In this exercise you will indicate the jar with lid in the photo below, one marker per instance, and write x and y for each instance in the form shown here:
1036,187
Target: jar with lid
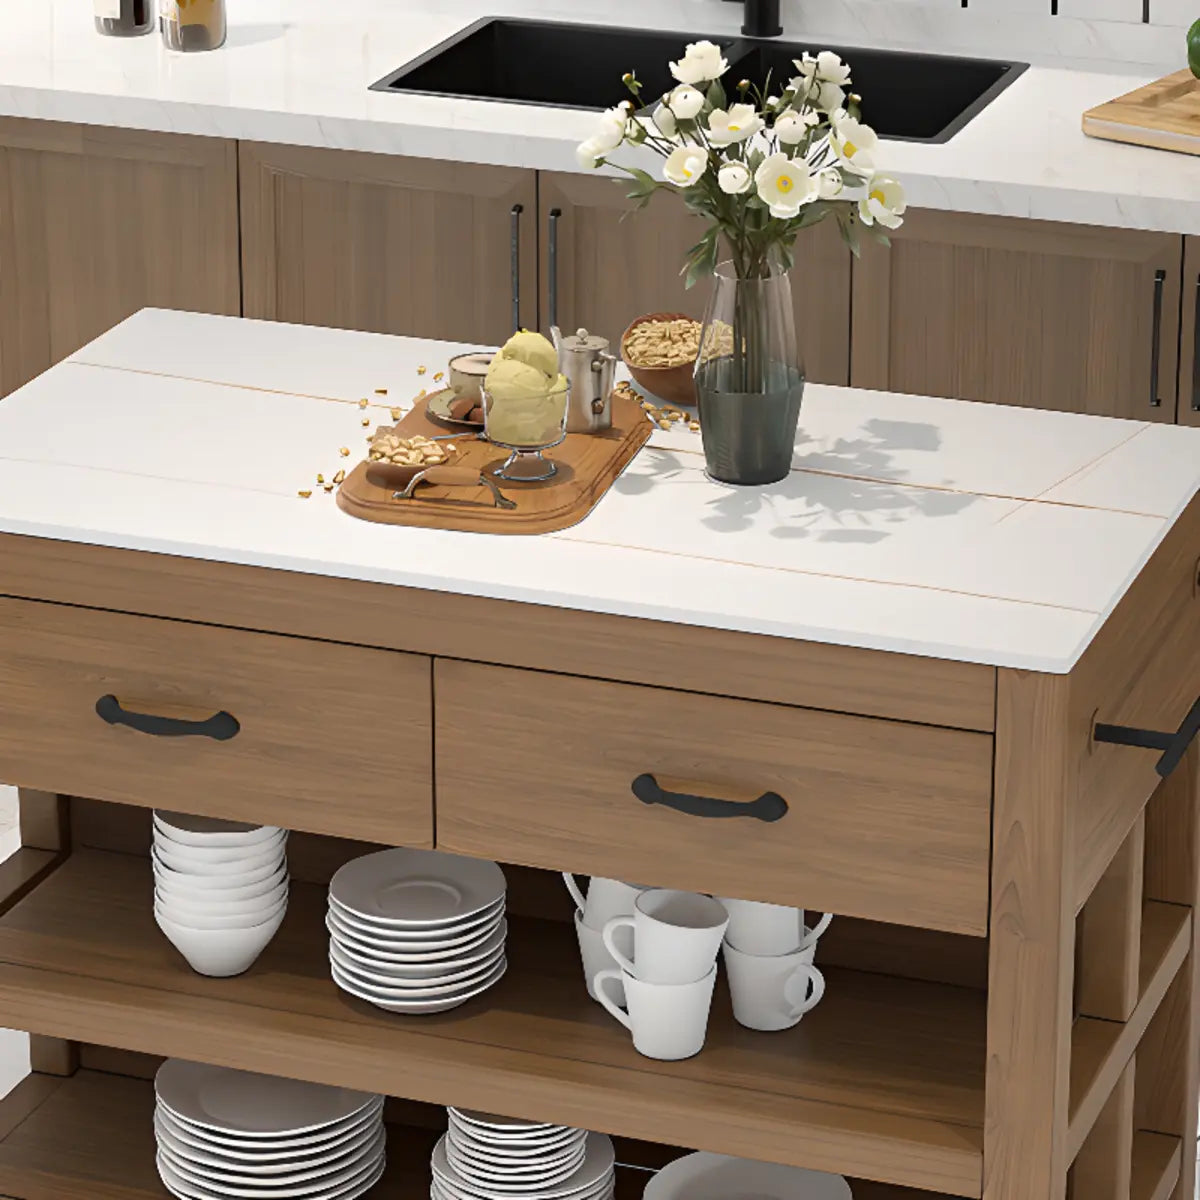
192,24
123,18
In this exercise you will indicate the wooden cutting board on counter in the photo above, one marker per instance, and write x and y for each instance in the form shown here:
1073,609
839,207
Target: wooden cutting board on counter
587,466
1164,114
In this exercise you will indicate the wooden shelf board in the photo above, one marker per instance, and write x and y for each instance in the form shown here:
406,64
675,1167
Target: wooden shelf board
1157,1161
884,1081
1100,1050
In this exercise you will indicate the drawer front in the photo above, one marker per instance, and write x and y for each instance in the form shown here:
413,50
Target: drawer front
884,819
331,739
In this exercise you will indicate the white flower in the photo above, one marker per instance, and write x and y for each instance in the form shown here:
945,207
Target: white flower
734,179
589,154
735,124
610,128
685,165
685,102
786,184
702,62
829,183
821,80
664,120
854,144
884,203
792,128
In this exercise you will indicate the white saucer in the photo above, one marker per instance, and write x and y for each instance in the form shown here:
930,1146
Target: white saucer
506,1178
511,1149
391,1004
411,966
349,1189
417,889
429,951
704,1176
598,1162
417,937
260,1149
370,977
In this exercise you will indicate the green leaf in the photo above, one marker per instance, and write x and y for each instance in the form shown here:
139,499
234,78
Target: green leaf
716,94
1193,46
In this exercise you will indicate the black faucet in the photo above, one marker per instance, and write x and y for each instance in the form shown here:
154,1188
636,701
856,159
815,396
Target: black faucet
762,19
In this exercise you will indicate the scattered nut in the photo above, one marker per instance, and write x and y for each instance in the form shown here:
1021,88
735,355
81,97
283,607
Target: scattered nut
320,477
439,377
304,493
366,421
664,424
694,426
363,403
341,475
381,391
344,451
420,370
328,488
395,414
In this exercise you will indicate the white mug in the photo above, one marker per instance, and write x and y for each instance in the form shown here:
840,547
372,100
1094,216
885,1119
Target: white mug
605,899
676,936
668,1020
772,991
759,928
595,956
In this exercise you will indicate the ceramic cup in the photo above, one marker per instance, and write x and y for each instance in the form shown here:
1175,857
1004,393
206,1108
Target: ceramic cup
758,928
772,991
605,899
676,936
668,1020
596,958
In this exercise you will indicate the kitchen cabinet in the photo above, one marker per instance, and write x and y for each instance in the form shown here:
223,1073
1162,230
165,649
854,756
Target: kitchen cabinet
1189,341
391,245
97,222
605,265
1031,313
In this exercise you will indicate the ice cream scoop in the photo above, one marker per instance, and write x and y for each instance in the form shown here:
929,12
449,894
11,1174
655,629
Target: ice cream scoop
508,379
533,350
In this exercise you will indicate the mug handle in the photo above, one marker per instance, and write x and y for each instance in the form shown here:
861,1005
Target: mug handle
810,975
573,888
601,995
810,938
610,941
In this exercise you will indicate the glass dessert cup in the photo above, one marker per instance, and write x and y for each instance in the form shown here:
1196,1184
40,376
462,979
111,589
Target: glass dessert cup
526,425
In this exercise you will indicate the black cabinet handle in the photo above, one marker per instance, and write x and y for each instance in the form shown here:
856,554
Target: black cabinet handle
1196,352
1160,280
770,806
552,267
220,726
1173,745
514,250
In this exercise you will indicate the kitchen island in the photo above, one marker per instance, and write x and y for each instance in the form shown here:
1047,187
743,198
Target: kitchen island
917,639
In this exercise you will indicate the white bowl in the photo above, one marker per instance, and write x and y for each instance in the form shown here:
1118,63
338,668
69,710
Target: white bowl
226,879
182,888
204,855
210,831
220,952
256,857
222,916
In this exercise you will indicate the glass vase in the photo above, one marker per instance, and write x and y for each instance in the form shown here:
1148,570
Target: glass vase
749,378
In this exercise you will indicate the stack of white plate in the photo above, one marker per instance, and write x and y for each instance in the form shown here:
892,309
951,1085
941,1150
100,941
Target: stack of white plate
704,1176
416,931
225,1133
485,1157
220,889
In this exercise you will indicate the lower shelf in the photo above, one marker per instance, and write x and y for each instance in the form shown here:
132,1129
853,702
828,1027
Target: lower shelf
1157,1161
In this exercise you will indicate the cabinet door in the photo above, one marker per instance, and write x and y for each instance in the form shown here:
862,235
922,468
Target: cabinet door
1189,361
611,267
1069,317
393,245
96,223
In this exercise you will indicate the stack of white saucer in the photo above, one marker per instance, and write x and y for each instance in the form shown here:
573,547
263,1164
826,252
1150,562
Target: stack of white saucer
417,931
223,1133
486,1157
220,889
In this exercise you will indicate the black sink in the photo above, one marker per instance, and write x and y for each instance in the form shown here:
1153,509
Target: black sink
907,97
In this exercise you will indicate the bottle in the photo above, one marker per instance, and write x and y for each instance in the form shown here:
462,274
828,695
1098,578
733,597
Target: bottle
192,24
124,18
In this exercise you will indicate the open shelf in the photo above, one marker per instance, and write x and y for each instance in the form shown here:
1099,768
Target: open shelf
883,1081
1157,1161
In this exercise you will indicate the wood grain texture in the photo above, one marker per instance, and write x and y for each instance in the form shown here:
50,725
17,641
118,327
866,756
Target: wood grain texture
885,1084
1103,1168
1109,933
1189,336
1031,942
614,267
1156,1166
1012,311
904,687
588,465
99,222
1164,114
383,243
307,755
886,820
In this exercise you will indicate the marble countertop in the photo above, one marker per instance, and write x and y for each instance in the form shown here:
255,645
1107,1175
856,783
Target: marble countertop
972,532
297,71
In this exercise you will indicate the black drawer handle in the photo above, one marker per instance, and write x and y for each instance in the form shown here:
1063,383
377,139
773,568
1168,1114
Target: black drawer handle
220,726
770,806
1173,745
1160,280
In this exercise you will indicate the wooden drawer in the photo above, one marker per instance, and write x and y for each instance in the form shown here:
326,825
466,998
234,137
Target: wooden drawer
885,820
333,739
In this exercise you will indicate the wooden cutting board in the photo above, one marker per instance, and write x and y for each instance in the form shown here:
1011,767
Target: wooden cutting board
1164,114
587,466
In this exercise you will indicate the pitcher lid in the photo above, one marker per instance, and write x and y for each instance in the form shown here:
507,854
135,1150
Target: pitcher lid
582,340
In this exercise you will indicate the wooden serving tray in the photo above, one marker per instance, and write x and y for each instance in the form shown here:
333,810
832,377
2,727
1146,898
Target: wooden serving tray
1164,114
588,463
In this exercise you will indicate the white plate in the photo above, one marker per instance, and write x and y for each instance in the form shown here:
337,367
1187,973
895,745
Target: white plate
486,1175
597,1163
414,889
502,1125
601,1190
255,1149
526,1157
249,1105
704,1176
367,975
348,1189
472,939
417,966
529,1146
392,935
442,1004
389,990
182,1144
191,830
515,1139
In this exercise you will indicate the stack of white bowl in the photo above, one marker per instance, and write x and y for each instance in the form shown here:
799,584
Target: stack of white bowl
220,889
417,931
223,1134
486,1157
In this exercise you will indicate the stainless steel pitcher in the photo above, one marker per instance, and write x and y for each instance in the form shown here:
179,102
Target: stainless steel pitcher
591,371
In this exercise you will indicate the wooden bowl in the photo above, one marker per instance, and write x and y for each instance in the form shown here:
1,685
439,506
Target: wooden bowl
675,385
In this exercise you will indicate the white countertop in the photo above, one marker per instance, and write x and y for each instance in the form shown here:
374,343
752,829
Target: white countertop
297,71
963,531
